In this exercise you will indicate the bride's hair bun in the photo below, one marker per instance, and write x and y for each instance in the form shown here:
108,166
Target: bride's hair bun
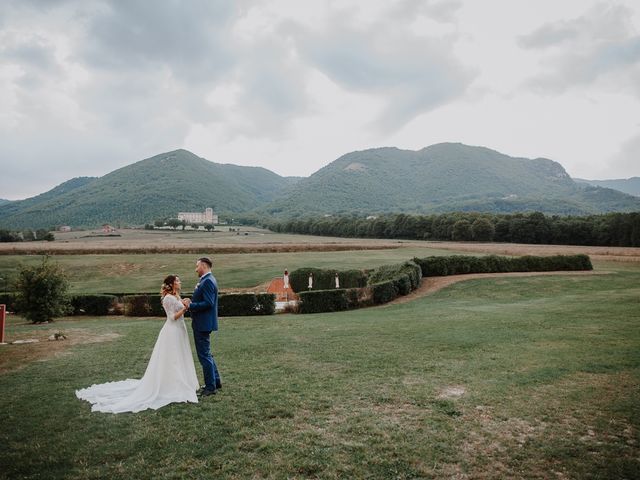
168,285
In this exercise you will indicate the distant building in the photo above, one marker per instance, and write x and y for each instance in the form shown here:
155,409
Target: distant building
65,228
199,217
106,228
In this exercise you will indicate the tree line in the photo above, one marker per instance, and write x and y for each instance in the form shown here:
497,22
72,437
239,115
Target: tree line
611,229
26,235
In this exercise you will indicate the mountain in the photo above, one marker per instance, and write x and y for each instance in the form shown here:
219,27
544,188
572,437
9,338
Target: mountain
444,177
160,186
441,178
630,186
4,201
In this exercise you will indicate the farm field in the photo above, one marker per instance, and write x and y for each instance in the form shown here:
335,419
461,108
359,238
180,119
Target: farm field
250,263
511,377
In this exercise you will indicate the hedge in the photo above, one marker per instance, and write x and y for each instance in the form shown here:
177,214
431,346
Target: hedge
461,264
92,304
335,300
392,272
384,292
245,304
326,279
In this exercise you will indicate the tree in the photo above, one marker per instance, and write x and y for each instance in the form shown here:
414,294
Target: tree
482,230
42,292
461,231
209,226
183,223
174,223
159,223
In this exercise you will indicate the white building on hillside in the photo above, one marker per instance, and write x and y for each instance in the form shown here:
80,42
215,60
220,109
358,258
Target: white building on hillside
199,217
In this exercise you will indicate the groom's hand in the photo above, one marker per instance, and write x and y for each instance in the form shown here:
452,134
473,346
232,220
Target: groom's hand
186,302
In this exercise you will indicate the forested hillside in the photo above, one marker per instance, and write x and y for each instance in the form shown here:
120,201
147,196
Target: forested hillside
442,178
159,186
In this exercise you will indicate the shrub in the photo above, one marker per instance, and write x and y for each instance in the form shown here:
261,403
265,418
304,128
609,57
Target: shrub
10,300
266,303
402,284
316,301
325,279
137,305
245,304
42,292
461,264
393,272
92,304
384,292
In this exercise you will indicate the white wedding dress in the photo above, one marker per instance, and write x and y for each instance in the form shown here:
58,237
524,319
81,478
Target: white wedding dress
170,375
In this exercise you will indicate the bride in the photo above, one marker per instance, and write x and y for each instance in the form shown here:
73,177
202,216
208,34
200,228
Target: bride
170,375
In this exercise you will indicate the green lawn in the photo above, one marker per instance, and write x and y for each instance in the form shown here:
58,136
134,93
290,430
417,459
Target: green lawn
128,273
495,378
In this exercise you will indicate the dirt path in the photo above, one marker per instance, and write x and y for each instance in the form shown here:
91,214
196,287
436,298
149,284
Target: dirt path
433,284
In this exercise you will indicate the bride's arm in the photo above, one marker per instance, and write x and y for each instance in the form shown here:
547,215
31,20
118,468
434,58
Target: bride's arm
168,306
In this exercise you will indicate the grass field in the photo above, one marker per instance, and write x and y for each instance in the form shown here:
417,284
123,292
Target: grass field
495,378
144,273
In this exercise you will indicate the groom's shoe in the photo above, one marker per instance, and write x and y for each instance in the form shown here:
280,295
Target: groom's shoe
206,392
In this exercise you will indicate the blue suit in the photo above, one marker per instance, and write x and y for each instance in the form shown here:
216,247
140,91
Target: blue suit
204,320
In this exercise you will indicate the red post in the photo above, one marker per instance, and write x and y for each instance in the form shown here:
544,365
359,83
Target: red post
3,314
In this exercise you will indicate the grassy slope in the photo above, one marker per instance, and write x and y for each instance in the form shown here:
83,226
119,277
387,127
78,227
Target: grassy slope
550,368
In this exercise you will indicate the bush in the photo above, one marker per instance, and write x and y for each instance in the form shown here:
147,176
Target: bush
42,292
461,264
316,301
266,303
245,304
137,306
10,300
402,284
394,272
325,279
384,292
92,304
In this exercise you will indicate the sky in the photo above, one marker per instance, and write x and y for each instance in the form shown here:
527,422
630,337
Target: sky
87,87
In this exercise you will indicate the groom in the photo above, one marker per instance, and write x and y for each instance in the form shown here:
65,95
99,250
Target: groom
204,319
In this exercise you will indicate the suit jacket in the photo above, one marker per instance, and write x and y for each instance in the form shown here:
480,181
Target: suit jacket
204,304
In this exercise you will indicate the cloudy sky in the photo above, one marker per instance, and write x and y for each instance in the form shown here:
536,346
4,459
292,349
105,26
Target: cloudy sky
90,86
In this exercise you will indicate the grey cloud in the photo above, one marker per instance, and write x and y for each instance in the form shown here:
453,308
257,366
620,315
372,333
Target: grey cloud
625,163
549,35
599,45
189,39
443,11
413,74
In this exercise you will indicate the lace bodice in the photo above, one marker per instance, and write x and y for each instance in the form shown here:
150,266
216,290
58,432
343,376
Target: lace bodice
171,306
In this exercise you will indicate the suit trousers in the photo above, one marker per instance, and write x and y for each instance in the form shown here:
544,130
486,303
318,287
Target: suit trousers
209,367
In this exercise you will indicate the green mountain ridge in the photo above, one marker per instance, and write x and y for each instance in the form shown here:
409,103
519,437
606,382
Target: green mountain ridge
440,178
630,186
160,186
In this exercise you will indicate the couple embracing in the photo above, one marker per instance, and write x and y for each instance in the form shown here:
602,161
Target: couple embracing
170,375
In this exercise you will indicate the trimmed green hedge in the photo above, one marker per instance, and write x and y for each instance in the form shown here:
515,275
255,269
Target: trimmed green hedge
137,305
92,304
325,279
245,304
384,292
335,300
395,271
461,264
